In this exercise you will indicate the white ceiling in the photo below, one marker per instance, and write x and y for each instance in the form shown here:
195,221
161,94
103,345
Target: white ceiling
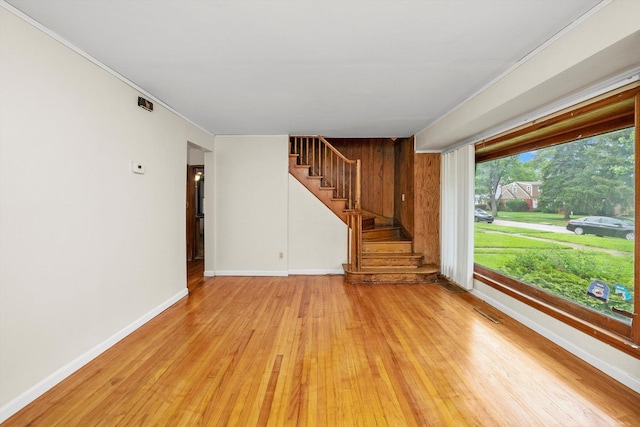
350,68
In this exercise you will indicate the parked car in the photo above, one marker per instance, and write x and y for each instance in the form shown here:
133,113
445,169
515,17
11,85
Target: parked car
603,226
483,216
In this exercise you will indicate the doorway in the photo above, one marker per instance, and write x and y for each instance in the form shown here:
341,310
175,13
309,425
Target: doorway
195,212
195,215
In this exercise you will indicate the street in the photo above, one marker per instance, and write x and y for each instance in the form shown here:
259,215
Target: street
530,226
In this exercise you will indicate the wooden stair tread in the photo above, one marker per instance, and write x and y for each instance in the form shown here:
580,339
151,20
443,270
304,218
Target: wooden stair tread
324,194
388,260
391,255
383,232
368,223
379,219
385,226
386,245
392,275
385,239
425,268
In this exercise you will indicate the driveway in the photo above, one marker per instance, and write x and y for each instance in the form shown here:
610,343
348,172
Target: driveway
530,226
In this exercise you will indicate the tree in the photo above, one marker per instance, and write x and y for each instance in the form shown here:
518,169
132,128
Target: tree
589,176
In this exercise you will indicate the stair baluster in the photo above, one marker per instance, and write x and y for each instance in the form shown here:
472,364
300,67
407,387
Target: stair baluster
337,172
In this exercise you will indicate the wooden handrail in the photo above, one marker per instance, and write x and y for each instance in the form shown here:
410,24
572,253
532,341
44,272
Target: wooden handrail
338,153
340,173
335,170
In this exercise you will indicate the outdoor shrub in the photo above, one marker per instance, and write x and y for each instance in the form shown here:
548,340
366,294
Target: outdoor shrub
517,205
567,273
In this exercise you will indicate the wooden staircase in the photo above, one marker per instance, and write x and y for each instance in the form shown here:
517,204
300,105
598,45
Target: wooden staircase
318,186
388,257
378,250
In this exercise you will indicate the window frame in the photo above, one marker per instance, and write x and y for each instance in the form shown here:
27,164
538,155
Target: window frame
609,112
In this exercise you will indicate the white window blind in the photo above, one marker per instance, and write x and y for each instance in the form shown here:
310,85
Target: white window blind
456,213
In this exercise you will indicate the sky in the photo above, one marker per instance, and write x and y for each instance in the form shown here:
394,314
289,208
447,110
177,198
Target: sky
525,157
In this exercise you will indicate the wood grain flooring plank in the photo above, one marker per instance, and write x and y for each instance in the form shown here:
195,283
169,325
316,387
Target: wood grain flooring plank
315,351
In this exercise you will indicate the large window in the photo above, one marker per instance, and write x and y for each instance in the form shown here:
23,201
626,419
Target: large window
555,216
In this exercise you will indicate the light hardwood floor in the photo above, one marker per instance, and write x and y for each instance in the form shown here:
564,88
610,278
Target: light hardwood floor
312,350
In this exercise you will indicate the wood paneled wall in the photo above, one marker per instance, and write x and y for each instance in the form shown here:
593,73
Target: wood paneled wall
403,179
376,155
417,176
426,220
391,169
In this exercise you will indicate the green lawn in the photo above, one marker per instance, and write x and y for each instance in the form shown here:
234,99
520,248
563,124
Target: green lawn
499,240
535,217
586,240
558,268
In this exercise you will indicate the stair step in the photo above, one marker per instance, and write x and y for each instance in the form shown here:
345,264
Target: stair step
385,232
391,260
368,223
374,275
379,219
387,246
324,194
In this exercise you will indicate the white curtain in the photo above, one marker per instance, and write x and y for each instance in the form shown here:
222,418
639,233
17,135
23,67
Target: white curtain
456,215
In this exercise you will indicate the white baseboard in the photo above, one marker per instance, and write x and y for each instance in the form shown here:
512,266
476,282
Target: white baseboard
613,371
209,273
317,272
256,273
46,384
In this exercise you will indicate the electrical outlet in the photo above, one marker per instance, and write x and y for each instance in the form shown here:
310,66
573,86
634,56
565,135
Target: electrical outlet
137,168
280,255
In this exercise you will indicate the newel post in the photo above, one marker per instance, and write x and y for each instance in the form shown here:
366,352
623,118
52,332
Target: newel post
358,184
357,220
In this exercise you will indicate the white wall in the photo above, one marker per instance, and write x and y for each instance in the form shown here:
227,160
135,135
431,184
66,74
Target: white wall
209,214
195,156
88,250
250,213
260,211
317,237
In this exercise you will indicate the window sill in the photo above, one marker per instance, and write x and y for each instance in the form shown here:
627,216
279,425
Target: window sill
619,342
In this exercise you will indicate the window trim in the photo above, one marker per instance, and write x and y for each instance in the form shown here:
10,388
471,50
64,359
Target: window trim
609,112
606,113
497,281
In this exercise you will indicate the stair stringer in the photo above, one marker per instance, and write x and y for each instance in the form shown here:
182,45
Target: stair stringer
313,184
